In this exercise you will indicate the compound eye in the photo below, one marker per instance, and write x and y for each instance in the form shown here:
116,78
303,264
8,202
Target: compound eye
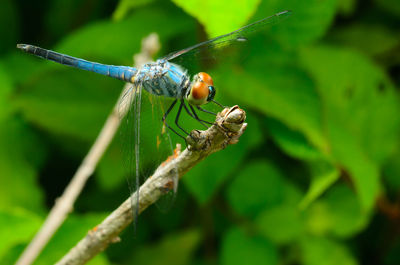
200,91
206,78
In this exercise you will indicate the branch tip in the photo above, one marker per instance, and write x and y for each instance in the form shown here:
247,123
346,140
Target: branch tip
230,125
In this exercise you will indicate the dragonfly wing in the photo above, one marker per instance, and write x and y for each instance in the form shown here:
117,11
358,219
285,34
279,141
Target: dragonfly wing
164,148
146,143
129,108
237,36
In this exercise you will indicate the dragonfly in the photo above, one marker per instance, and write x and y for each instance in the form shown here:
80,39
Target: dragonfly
165,78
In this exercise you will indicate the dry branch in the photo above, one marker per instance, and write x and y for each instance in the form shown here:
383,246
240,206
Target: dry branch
227,129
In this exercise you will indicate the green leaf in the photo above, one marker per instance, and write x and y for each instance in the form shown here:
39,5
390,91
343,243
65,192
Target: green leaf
339,213
219,167
176,249
219,17
323,176
282,224
347,7
241,248
6,88
20,156
292,142
257,186
16,226
371,39
359,102
68,102
291,194
124,6
314,250
110,171
18,74
309,21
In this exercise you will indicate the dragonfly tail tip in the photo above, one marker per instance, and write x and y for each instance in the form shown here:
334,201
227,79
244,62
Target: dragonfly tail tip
21,46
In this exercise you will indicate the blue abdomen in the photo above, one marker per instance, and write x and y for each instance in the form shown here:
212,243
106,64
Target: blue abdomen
123,73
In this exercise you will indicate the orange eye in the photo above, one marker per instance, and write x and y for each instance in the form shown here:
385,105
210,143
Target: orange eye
199,90
206,78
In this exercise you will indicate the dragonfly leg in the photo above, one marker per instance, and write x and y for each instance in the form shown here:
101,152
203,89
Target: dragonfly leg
164,119
206,111
197,117
193,115
219,104
177,118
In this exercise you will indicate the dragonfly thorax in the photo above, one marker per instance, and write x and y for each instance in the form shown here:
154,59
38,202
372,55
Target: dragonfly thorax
163,78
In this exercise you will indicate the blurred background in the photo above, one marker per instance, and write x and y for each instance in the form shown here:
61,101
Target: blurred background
315,179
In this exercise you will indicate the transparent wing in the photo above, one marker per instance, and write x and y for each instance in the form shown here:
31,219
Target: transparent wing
145,141
164,148
234,37
129,108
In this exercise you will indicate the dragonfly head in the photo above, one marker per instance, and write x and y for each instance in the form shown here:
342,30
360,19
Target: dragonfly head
201,90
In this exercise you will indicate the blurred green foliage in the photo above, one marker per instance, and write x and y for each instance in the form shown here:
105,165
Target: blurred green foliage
315,179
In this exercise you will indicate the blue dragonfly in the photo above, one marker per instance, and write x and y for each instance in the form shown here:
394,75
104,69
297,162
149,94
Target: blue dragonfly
164,78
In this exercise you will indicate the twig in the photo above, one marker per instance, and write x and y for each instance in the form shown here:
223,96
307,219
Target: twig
228,128
64,204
